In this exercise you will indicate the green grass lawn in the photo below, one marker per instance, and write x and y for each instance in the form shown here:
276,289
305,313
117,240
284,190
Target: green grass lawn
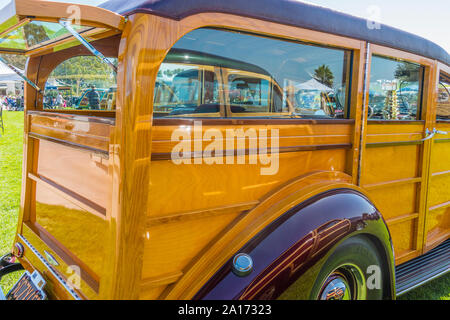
10,183
10,176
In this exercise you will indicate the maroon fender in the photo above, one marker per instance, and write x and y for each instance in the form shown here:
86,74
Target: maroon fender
300,240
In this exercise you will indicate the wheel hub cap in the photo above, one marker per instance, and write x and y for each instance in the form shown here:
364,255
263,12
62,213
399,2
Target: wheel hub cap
335,288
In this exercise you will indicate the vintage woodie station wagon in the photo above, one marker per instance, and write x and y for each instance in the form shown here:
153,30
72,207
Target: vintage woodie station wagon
311,161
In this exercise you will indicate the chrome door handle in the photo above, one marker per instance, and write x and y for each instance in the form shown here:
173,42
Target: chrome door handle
430,134
439,132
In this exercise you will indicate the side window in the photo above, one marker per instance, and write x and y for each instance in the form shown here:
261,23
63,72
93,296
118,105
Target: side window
395,90
443,103
183,89
248,92
81,83
217,73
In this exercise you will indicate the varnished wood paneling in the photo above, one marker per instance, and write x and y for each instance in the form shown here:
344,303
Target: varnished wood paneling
78,230
81,172
396,200
78,131
53,11
53,287
168,228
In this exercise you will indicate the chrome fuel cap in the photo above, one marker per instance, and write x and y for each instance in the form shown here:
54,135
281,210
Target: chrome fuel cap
242,264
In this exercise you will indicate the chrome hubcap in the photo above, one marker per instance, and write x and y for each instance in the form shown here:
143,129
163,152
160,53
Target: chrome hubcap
336,288
345,283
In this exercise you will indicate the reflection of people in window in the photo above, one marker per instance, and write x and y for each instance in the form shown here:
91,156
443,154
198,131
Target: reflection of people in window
94,98
59,100
242,94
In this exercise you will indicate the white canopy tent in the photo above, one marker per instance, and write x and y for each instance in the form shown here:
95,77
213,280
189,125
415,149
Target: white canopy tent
312,84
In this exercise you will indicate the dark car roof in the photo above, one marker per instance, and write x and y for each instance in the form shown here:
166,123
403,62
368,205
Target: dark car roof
177,55
289,12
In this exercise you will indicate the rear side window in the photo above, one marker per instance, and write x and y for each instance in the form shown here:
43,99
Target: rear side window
81,83
395,91
443,103
225,74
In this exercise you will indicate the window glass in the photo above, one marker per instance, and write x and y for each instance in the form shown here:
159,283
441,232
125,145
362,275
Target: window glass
38,33
185,89
247,92
216,73
395,89
81,83
443,104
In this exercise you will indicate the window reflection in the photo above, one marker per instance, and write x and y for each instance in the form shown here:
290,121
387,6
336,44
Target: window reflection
214,73
185,89
81,83
443,103
395,89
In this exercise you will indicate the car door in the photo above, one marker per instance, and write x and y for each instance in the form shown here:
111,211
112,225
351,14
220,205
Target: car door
394,164
437,222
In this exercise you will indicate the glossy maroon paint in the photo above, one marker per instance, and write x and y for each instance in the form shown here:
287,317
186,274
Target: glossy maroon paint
297,242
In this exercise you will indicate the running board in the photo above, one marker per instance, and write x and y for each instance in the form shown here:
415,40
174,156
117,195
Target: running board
420,270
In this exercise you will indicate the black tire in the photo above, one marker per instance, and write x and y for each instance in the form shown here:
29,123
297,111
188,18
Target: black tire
357,252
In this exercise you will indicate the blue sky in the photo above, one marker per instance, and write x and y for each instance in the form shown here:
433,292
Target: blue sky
428,19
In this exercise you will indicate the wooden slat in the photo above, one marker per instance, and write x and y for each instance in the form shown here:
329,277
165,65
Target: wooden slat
440,206
241,207
402,218
437,174
71,196
164,279
53,11
406,256
82,147
83,132
393,143
391,183
223,153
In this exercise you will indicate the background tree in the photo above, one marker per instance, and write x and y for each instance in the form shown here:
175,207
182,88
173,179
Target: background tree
407,72
80,72
324,75
16,60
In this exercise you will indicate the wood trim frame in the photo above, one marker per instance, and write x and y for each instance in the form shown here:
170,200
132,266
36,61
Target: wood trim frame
246,152
53,11
88,116
240,121
101,22
87,275
401,55
183,216
71,196
440,68
427,114
102,153
148,39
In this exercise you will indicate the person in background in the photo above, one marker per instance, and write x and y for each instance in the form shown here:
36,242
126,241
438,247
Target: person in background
59,100
18,102
94,98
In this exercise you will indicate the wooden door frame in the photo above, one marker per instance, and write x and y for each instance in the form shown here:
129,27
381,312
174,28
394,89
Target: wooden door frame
427,110
440,68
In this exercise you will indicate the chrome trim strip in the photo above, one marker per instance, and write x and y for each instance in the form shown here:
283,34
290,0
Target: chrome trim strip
51,269
68,25
363,113
20,74
423,282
